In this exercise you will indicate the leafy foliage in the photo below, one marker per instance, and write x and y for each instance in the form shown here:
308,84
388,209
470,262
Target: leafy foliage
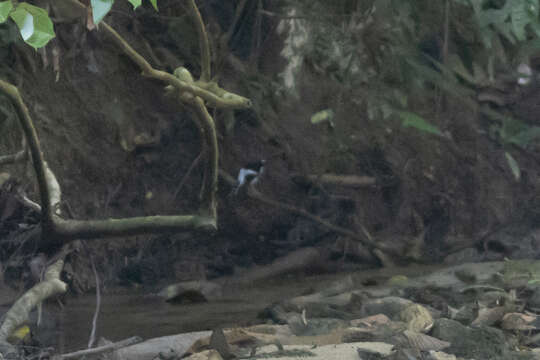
100,8
391,54
137,3
419,123
34,24
5,9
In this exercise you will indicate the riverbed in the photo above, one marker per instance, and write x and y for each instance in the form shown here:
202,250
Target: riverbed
126,313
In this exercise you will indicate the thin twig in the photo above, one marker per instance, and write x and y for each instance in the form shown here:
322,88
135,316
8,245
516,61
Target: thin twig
366,239
237,16
102,349
186,176
13,158
304,17
98,304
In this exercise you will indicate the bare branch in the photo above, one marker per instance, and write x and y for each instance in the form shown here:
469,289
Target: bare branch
98,304
365,239
102,349
33,143
236,102
203,41
70,230
19,312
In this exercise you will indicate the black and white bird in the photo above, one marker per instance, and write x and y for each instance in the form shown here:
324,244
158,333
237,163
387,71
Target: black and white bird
250,174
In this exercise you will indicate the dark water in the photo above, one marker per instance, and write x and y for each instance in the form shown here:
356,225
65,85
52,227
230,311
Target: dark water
133,313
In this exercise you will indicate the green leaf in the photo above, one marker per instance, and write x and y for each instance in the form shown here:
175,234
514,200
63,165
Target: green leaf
135,3
5,9
323,116
418,122
34,24
524,137
100,8
456,64
514,166
520,19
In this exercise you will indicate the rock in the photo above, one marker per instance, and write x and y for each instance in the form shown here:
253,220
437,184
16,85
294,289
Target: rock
518,321
439,355
397,280
465,314
467,255
327,352
368,355
152,348
479,343
391,306
204,355
194,291
417,318
218,342
299,325
379,319
417,341
534,299
381,333
489,316
466,275
406,354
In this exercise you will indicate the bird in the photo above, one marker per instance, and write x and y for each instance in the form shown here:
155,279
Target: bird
250,174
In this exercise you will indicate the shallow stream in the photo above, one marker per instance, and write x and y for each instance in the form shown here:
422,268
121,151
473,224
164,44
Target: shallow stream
133,313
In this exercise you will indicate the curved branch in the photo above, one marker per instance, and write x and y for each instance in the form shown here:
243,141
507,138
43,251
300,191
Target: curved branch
33,144
19,312
236,102
203,41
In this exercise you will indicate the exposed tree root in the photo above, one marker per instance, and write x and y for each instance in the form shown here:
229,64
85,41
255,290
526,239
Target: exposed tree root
18,314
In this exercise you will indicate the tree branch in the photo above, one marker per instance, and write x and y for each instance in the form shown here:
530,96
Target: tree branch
19,312
37,157
70,230
236,102
102,349
366,239
203,41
